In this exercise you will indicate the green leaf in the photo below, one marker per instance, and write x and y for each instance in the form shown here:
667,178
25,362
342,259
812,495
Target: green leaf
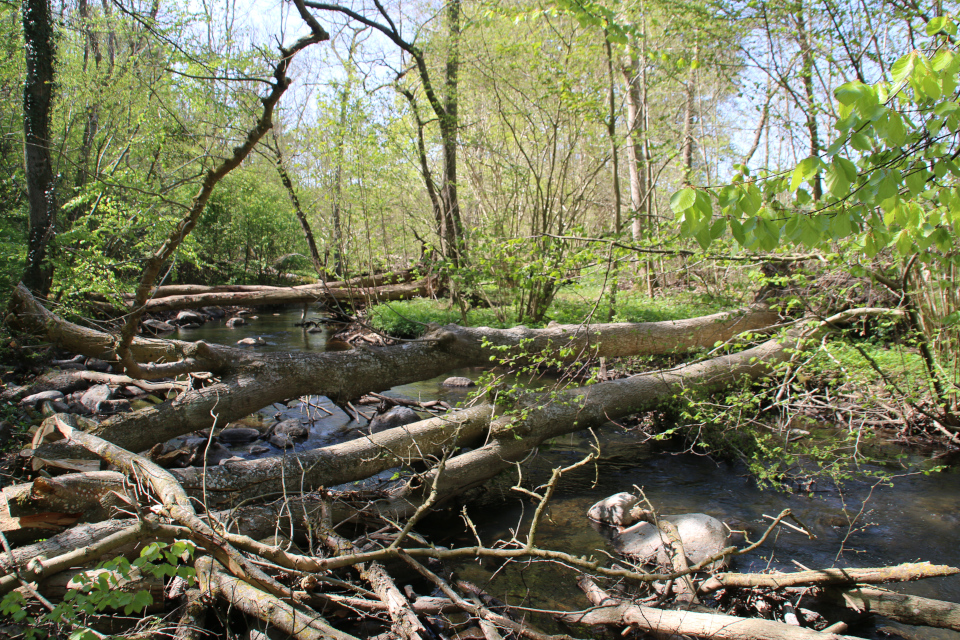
836,180
849,92
902,68
805,170
737,230
683,200
935,25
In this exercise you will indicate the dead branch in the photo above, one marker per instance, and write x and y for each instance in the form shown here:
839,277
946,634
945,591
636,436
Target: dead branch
900,573
262,605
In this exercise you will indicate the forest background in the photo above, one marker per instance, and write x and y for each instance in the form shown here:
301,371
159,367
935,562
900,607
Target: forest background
570,161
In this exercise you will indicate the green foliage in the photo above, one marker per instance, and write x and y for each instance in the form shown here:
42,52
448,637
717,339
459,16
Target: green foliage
104,588
890,175
407,318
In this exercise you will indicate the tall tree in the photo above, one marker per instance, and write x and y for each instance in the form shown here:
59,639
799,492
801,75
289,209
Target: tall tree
444,106
38,90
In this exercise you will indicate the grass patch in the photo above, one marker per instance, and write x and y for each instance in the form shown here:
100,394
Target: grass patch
407,318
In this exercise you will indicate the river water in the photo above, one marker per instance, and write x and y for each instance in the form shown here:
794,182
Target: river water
861,523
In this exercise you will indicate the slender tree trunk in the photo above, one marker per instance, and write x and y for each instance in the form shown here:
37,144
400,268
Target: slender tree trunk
806,73
337,212
615,161
37,97
688,116
452,238
298,210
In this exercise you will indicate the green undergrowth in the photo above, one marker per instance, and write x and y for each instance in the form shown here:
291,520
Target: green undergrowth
407,318
785,440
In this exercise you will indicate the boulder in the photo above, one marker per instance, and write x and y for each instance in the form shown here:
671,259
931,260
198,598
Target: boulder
94,396
235,322
37,398
257,449
95,364
188,317
615,510
157,327
238,435
458,382
190,325
291,429
252,341
702,536
281,441
214,312
396,417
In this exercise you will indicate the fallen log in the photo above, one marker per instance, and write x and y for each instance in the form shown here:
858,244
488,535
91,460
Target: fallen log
617,612
293,295
252,380
37,568
262,605
192,623
545,417
170,290
818,577
176,503
901,607
406,624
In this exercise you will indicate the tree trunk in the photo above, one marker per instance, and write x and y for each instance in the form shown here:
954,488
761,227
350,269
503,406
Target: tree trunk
298,210
37,97
252,380
806,75
452,237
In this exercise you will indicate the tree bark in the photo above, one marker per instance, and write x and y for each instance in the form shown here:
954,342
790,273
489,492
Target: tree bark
903,608
899,573
298,211
37,98
263,606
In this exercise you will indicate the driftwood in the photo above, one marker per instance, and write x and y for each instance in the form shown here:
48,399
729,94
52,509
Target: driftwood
167,291
39,567
900,573
617,612
176,503
901,607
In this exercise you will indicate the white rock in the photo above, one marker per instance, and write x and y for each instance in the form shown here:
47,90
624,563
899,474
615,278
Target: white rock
702,537
614,510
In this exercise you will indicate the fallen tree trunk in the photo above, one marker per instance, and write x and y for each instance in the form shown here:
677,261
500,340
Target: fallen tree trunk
378,280
900,573
545,416
291,295
614,611
252,380
901,607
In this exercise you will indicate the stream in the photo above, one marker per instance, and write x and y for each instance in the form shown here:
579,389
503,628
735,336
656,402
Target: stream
862,523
